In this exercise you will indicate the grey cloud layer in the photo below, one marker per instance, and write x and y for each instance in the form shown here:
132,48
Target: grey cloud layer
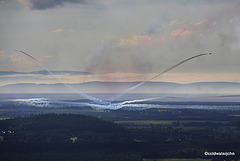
138,36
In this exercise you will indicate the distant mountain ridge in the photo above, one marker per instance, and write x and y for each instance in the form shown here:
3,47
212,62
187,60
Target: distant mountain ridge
119,87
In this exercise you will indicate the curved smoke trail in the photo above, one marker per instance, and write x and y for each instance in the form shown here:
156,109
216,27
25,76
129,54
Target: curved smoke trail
101,104
95,100
167,70
116,106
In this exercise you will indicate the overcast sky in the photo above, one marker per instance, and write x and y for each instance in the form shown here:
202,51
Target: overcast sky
123,40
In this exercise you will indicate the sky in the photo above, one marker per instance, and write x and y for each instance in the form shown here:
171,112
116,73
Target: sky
120,40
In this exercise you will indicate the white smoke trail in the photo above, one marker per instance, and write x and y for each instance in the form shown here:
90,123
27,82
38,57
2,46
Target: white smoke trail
116,106
101,104
141,100
167,70
95,100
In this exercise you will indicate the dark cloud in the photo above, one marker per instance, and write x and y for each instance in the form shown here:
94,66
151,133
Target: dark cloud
10,73
48,4
44,72
5,61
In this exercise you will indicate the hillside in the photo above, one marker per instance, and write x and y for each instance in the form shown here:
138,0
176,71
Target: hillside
53,137
119,87
60,128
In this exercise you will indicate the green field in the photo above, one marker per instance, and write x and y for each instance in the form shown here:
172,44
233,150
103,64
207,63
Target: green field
161,122
235,115
4,118
145,122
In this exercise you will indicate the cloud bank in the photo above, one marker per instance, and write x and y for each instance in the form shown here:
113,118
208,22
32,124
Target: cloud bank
121,36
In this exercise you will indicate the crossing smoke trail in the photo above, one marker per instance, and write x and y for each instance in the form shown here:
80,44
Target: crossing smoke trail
101,104
95,100
167,70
